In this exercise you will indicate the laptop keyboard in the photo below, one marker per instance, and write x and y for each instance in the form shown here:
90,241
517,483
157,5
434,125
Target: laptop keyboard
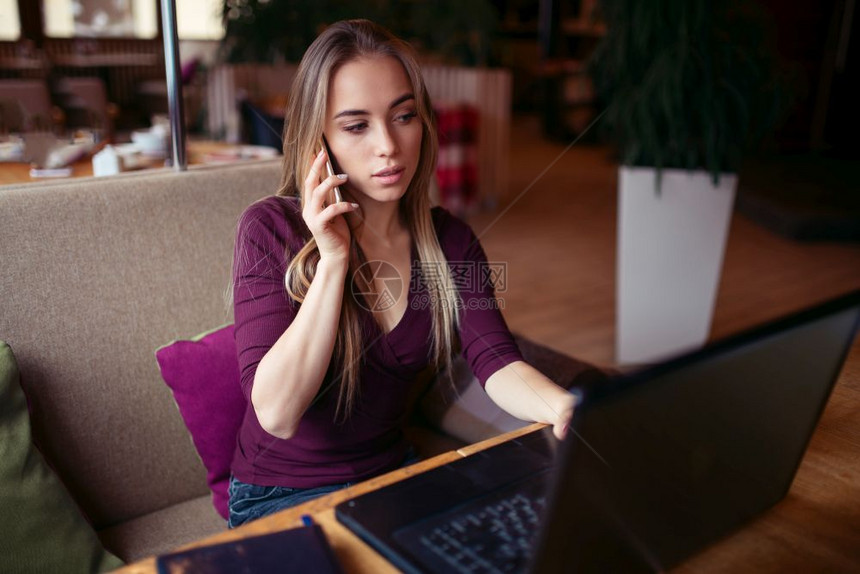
496,536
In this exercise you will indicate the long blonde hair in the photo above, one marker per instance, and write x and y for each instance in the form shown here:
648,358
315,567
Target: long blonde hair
338,44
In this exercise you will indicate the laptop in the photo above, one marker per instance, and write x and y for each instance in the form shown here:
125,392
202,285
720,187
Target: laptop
657,463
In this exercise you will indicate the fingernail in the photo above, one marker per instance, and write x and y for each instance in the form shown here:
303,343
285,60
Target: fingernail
354,204
342,176
321,153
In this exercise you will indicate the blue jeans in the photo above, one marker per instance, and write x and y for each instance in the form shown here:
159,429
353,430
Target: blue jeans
249,501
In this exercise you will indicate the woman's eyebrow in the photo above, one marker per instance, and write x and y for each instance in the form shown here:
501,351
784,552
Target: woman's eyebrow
400,100
394,104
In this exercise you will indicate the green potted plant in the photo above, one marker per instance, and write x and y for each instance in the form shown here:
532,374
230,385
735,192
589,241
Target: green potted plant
688,87
457,32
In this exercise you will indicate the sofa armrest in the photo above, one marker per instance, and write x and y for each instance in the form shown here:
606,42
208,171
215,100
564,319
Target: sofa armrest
466,413
566,371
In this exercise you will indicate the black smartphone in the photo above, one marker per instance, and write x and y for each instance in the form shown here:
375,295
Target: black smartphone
329,169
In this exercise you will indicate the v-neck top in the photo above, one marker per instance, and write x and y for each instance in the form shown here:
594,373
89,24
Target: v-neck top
395,366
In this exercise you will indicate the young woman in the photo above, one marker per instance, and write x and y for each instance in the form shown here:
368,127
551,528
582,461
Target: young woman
340,307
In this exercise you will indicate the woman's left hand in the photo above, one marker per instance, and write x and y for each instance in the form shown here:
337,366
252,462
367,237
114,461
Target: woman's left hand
529,395
559,428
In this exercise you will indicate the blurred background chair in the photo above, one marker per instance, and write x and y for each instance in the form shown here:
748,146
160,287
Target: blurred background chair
34,111
151,96
12,116
261,126
85,104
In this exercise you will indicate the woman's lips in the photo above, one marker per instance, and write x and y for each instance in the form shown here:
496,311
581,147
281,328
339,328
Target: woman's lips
389,175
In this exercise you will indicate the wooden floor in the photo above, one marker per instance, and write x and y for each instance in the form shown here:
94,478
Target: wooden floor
559,241
557,233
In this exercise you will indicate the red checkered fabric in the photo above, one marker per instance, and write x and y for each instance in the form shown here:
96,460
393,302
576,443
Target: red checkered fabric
457,167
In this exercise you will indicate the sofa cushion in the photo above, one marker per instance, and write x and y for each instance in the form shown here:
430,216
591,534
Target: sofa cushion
203,373
164,530
41,529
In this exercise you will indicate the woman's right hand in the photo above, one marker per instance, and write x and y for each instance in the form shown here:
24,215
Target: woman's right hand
329,229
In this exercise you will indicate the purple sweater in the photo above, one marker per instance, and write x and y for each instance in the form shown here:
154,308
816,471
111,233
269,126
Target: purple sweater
370,441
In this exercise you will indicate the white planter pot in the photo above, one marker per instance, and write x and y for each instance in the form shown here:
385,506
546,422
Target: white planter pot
670,254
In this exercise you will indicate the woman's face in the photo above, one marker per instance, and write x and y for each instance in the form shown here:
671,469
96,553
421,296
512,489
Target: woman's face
373,129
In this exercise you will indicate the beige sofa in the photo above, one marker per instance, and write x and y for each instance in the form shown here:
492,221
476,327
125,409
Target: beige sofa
97,274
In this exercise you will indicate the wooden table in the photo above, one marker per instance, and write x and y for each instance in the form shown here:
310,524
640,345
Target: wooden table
198,152
816,528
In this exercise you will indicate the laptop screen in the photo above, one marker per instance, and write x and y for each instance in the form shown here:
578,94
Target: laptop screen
661,462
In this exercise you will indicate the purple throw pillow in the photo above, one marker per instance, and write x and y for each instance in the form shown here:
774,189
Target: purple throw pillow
203,374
